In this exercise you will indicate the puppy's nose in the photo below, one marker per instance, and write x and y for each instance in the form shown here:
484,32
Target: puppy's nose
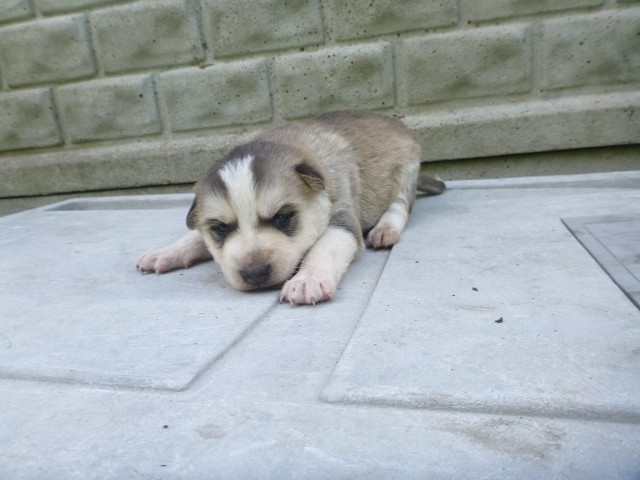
256,274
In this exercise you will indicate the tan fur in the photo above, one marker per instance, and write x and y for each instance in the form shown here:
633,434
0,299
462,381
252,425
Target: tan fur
375,154
252,246
345,174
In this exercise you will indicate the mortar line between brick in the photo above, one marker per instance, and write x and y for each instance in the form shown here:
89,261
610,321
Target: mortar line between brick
59,116
276,107
196,7
35,11
536,63
325,19
399,100
163,111
463,14
542,16
93,45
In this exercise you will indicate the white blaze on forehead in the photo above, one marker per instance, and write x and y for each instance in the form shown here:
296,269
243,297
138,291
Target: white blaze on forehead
238,179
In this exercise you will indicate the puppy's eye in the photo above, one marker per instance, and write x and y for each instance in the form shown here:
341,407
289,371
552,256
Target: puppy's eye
221,229
282,220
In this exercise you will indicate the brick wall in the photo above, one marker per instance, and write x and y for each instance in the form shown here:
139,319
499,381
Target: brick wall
106,94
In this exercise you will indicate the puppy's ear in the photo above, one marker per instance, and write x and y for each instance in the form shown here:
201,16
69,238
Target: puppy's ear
191,216
311,176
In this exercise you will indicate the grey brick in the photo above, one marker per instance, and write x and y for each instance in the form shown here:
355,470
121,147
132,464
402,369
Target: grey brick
221,95
147,34
592,49
46,51
473,63
366,18
15,10
349,77
242,26
27,120
48,7
109,109
494,9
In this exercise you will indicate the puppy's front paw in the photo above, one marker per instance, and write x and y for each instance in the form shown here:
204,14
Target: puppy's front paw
383,236
162,260
307,289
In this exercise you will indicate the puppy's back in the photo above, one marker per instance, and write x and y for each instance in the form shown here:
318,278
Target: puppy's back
366,158
387,153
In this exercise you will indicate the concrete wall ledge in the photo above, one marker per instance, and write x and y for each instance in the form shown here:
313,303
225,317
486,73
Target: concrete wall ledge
537,126
167,162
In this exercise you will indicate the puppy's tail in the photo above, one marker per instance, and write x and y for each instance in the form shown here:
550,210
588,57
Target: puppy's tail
430,185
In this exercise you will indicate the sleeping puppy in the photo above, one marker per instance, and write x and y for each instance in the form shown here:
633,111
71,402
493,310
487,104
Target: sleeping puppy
295,204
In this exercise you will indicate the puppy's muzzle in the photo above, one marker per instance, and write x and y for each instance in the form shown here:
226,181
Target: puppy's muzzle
256,275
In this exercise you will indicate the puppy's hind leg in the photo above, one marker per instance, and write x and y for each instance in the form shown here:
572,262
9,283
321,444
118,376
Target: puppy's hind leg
187,251
386,232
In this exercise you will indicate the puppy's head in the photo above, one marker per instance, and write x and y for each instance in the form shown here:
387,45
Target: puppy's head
259,211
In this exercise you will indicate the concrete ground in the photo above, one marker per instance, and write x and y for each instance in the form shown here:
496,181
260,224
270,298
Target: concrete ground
487,344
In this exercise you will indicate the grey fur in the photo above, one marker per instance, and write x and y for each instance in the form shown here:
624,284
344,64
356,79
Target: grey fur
296,197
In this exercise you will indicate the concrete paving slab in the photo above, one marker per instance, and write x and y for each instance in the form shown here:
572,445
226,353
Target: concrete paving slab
614,242
79,313
396,378
511,279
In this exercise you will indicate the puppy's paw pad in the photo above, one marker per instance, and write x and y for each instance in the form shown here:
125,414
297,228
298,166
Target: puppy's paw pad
307,290
383,236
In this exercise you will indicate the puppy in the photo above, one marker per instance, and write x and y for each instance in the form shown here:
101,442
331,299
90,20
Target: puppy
297,203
